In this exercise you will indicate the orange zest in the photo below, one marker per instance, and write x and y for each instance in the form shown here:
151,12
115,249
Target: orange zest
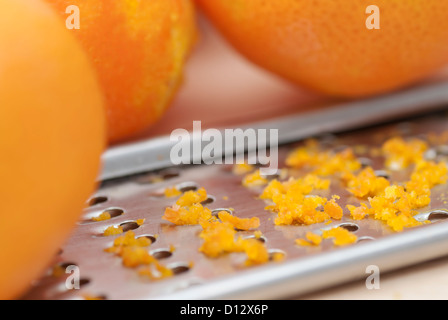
102,217
239,223
254,180
366,184
312,239
400,154
113,231
340,236
172,192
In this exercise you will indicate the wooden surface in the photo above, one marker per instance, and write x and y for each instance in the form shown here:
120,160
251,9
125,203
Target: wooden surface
222,89
427,281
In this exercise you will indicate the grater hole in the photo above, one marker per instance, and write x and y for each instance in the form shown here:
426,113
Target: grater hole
161,254
65,265
349,227
182,187
276,255
341,148
169,174
60,269
187,186
215,212
438,215
442,150
405,128
83,282
97,200
262,239
128,226
271,176
430,154
148,236
365,239
326,139
158,194
180,269
96,216
365,162
382,174
161,176
209,200
114,212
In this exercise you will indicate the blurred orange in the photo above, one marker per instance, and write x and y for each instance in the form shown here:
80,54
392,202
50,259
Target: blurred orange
326,45
52,133
139,49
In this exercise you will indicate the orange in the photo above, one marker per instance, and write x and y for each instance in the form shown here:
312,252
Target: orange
139,49
52,133
325,45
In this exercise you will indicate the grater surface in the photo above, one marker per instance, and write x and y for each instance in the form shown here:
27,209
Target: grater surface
303,269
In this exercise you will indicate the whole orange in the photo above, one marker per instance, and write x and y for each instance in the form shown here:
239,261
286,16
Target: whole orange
139,49
52,134
326,45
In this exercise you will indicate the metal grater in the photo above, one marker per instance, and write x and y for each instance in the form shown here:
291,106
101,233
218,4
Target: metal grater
135,176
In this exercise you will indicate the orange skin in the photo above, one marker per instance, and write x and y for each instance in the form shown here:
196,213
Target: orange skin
139,49
52,134
325,45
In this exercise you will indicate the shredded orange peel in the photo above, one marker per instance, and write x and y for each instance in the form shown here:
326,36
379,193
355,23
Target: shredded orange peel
156,271
365,184
219,238
323,163
192,197
219,233
294,204
340,236
254,179
102,217
191,215
239,223
128,240
113,231
172,192
395,204
242,168
134,253
188,209
396,208
400,154
312,239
